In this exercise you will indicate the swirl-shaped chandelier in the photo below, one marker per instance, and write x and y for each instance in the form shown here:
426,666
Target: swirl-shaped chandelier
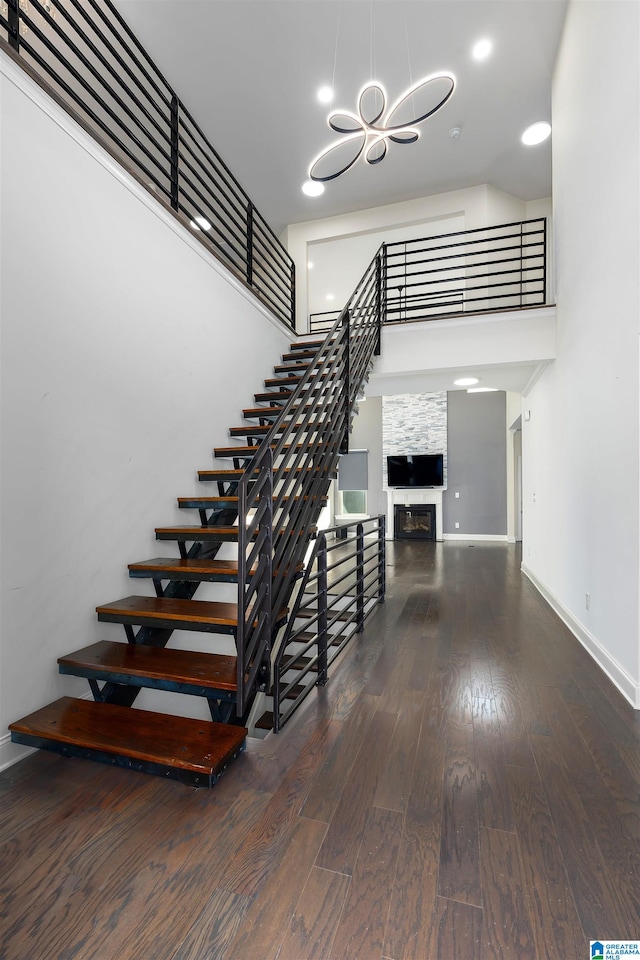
367,133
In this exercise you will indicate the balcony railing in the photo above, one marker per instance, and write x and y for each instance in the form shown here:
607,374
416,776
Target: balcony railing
471,271
86,56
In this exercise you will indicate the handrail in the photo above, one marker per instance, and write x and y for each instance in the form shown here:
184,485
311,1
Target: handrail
301,452
502,267
85,55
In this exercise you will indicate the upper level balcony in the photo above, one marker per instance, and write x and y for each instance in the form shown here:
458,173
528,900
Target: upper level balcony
447,300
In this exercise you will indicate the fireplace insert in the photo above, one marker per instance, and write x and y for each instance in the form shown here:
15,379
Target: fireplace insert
415,521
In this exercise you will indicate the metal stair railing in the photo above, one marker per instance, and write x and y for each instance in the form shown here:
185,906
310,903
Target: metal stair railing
341,586
300,453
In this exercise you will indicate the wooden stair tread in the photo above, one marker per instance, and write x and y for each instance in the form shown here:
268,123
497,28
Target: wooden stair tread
212,670
299,354
306,613
250,412
306,344
171,568
299,663
198,747
207,503
295,691
282,381
248,451
273,412
269,396
195,534
188,614
245,452
294,373
260,429
256,430
234,476
265,722
222,476
213,612
298,366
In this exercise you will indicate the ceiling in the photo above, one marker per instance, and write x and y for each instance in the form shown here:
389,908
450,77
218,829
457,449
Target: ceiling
511,377
248,71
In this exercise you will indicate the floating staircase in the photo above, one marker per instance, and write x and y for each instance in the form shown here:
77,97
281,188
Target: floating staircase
108,729
267,504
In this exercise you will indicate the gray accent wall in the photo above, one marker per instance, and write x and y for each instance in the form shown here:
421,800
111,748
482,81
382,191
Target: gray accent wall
477,450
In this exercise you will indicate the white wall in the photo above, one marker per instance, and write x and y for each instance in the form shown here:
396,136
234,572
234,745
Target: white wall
512,339
580,445
127,352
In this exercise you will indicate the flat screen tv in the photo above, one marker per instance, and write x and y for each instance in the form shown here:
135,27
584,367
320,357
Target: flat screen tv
416,470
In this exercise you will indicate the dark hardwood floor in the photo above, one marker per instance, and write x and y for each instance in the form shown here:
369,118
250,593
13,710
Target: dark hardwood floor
466,786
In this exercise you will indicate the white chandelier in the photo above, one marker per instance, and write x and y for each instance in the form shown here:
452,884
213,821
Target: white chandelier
368,132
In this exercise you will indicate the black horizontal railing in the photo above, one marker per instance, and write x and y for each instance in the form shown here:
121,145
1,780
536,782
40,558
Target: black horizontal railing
471,271
321,322
343,582
92,63
283,489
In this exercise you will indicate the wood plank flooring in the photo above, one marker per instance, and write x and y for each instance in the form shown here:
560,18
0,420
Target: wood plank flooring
466,786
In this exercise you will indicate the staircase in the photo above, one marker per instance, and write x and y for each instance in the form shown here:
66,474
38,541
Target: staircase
267,504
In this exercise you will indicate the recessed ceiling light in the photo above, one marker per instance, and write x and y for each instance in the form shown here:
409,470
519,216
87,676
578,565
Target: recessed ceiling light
482,390
200,223
482,49
465,382
330,296
313,188
310,265
536,133
325,94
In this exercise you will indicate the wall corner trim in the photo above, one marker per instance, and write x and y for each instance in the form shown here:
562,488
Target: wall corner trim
628,687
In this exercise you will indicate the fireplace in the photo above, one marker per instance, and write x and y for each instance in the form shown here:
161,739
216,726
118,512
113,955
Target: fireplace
415,521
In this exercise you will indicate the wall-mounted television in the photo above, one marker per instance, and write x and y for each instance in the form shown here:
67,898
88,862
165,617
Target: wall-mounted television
415,470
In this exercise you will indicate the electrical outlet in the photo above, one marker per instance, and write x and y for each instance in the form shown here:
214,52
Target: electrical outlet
587,601
457,495
457,526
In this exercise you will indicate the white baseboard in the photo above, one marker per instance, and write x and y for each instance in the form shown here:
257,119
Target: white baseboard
11,753
617,674
489,537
